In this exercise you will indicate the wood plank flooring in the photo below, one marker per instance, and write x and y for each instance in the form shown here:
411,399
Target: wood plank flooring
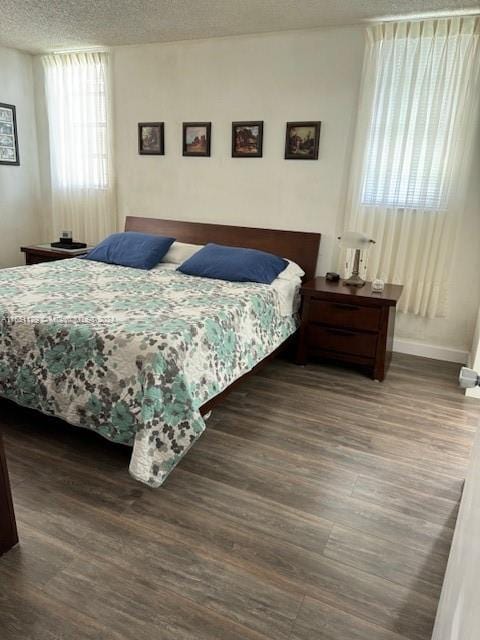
318,505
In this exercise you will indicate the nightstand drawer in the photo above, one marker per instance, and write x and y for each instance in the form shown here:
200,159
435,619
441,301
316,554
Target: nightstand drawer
34,258
340,314
342,341
36,254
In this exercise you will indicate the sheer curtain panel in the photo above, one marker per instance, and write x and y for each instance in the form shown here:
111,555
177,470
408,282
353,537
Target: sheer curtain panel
77,87
412,149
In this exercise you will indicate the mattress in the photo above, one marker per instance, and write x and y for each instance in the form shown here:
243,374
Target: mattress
131,354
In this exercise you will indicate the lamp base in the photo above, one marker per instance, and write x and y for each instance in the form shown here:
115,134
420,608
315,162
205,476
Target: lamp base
354,281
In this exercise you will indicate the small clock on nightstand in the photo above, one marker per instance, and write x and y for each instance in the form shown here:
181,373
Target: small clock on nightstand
348,324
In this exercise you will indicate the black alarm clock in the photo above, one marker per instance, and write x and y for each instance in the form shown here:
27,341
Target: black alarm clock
66,242
331,276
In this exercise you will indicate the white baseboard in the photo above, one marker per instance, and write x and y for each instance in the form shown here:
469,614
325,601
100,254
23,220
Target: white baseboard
430,351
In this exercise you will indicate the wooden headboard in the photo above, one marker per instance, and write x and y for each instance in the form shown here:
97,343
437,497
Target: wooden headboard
298,246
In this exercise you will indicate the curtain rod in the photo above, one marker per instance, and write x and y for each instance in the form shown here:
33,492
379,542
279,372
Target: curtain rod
78,50
431,15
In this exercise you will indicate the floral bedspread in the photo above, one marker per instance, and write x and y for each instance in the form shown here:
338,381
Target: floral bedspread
130,354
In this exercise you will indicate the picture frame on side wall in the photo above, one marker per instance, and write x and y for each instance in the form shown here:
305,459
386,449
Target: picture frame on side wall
196,140
151,139
8,135
247,139
302,140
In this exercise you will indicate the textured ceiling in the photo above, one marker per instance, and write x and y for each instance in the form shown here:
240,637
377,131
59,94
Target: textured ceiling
46,25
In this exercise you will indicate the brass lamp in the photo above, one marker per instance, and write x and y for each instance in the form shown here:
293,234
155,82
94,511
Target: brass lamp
359,242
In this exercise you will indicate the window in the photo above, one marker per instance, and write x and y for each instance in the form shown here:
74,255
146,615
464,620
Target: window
413,147
416,92
76,87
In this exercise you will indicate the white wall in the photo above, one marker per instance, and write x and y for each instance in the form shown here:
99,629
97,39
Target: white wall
309,75
20,214
275,77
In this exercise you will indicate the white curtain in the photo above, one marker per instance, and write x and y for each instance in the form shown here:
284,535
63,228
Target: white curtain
411,158
77,87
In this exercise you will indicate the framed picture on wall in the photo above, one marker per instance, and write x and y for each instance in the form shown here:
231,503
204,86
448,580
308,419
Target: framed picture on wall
151,139
8,135
196,138
301,140
247,139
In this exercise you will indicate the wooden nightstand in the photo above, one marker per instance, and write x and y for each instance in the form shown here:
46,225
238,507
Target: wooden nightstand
348,324
37,253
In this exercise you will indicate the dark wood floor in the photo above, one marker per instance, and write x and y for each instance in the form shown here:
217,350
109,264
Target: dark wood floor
319,505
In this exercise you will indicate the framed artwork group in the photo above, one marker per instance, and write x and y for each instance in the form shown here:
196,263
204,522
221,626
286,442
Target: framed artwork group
301,139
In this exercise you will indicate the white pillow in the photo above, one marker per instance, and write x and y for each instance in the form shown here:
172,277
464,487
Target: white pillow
181,251
287,286
291,272
288,294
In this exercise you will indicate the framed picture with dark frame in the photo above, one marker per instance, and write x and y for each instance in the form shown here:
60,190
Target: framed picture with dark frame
302,140
8,135
247,139
197,138
151,139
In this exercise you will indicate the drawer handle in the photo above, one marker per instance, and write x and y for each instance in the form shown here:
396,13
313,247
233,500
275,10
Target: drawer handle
341,332
351,307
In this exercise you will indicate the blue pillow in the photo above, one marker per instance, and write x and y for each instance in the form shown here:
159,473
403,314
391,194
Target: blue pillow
131,249
234,264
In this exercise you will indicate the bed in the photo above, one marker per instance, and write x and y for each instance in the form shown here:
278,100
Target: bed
141,356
